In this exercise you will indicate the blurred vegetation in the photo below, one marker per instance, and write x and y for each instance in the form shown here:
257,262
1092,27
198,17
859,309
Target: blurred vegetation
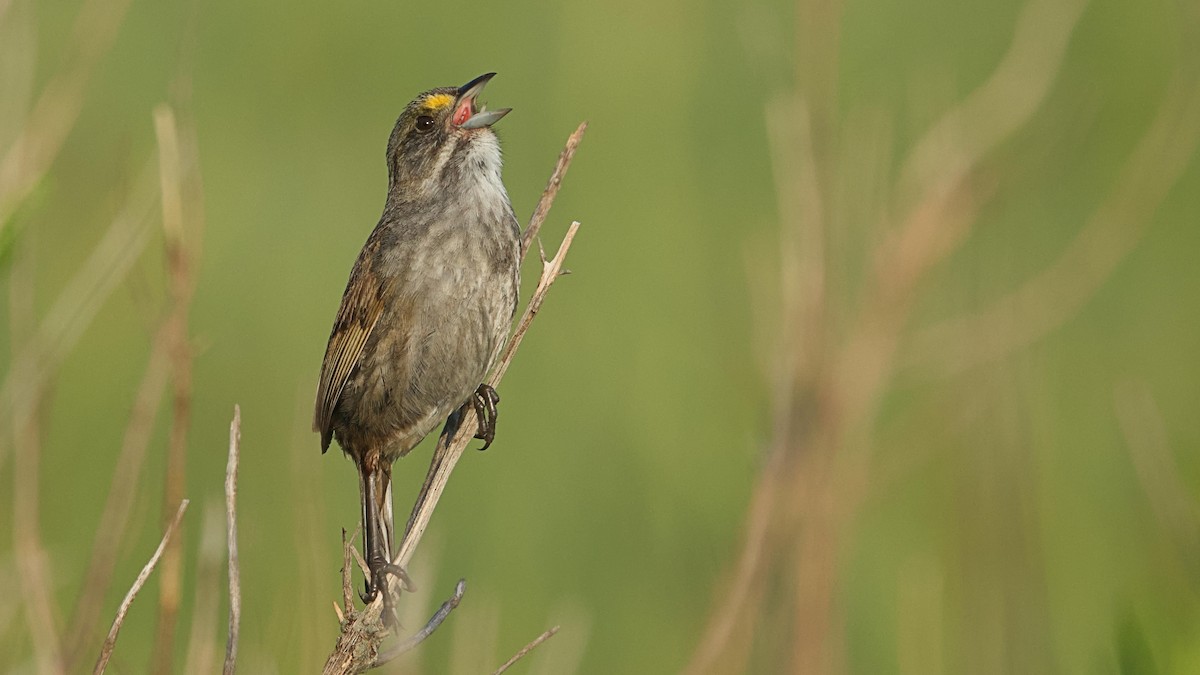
1016,492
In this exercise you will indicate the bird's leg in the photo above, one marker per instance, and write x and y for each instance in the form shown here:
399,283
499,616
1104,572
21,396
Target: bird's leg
484,400
375,539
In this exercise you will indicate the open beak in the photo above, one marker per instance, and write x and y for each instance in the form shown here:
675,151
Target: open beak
468,114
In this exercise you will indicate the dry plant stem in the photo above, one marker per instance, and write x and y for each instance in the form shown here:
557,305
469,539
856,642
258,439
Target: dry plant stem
30,553
361,562
547,200
937,173
436,620
358,647
123,609
526,649
747,574
1002,105
179,260
835,452
235,579
825,407
350,553
363,632
1058,292
347,584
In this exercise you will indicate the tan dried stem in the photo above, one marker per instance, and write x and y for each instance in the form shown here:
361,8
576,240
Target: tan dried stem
231,540
1059,291
830,390
556,177
526,649
123,609
180,262
434,622
358,645
166,357
1004,103
744,589
347,579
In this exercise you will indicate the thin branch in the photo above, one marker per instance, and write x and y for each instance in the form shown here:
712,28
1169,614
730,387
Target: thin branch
123,609
430,626
235,580
347,593
551,191
362,563
526,649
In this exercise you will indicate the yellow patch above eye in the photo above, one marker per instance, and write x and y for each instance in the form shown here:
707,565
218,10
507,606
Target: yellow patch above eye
439,101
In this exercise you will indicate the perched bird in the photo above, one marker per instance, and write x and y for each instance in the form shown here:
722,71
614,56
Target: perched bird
429,303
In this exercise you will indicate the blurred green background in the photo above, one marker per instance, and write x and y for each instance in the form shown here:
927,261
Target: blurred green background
1008,525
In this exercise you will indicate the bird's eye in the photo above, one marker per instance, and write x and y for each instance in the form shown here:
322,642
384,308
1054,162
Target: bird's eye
424,123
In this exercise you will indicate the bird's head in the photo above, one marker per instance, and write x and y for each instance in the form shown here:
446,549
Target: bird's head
442,133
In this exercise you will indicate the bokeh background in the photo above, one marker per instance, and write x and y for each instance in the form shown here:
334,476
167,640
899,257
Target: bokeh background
879,354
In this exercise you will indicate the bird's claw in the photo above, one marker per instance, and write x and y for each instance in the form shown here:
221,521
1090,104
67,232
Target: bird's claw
484,401
380,569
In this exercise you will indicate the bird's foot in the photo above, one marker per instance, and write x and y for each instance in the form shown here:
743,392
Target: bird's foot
380,569
484,400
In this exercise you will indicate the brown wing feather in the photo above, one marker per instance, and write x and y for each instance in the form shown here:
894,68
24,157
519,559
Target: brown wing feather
361,307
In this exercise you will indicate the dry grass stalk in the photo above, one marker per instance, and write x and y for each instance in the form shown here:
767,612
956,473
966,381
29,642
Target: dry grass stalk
547,199
830,386
526,649
123,609
1059,291
235,579
181,259
170,353
358,645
